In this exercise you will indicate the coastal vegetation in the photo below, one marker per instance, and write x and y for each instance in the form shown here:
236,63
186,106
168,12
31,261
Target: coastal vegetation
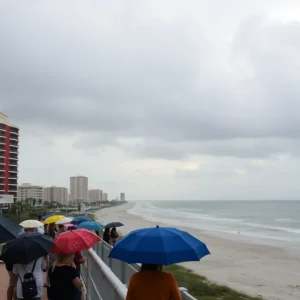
31,208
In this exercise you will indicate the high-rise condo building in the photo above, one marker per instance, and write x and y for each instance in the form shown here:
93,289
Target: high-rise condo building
78,189
56,194
104,197
28,191
95,195
122,197
9,150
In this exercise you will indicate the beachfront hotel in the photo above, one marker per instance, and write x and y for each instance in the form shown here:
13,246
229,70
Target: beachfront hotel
9,149
27,191
95,195
56,194
79,192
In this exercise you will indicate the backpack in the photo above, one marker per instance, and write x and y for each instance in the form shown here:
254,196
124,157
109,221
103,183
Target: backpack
29,287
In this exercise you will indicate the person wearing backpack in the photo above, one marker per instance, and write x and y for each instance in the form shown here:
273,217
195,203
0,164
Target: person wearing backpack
30,279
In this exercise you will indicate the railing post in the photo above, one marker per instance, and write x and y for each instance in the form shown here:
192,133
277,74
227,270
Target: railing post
87,286
123,270
97,248
102,252
87,276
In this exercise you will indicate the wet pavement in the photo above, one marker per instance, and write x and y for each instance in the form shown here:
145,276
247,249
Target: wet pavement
4,283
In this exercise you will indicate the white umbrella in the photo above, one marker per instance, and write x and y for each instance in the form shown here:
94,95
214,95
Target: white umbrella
64,221
31,224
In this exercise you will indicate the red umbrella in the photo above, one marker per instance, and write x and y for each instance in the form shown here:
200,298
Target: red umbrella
75,240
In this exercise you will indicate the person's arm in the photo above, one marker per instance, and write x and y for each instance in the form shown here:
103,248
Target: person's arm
130,291
45,263
75,279
16,269
79,258
174,290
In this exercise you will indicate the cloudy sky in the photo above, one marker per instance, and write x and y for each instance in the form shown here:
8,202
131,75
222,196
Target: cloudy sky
161,99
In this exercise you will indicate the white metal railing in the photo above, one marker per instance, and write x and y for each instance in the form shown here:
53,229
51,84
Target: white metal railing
100,282
107,278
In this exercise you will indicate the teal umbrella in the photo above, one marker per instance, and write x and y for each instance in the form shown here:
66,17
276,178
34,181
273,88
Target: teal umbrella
90,225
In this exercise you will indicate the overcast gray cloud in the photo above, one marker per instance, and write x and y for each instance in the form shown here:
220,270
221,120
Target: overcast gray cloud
166,80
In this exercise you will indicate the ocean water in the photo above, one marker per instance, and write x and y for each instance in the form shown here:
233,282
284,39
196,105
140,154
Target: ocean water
268,222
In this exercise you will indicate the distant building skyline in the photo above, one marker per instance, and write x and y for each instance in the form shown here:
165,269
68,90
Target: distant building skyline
56,194
104,197
122,196
9,157
78,189
29,191
95,195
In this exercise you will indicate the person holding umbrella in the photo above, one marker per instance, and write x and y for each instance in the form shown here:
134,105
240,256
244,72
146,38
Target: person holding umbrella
113,236
9,231
33,270
106,236
51,230
61,228
113,233
153,248
28,254
64,280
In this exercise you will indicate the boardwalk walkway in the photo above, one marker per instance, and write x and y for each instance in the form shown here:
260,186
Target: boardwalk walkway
4,283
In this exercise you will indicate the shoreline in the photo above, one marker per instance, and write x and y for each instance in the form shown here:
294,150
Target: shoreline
257,270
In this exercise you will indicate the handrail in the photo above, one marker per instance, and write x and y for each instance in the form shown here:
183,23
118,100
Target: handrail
185,294
111,277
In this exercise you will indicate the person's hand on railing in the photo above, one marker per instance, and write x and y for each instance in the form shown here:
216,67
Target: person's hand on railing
81,261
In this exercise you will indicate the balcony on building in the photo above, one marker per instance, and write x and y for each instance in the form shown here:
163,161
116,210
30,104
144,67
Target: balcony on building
14,136
12,176
13,143
13,169
13,162
14,130
2,153
12,181
2,127
12,156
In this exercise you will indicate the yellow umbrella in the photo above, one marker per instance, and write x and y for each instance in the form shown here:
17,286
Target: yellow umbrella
53,219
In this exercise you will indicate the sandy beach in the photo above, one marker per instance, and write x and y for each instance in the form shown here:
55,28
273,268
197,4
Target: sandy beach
257,270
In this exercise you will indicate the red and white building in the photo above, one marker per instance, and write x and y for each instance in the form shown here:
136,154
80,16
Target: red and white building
9,150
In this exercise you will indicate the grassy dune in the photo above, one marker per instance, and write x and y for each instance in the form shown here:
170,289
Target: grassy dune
203,289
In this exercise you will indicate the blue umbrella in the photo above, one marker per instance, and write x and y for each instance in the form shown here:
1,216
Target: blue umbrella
160,245
46,216
9,230
90,225
80,219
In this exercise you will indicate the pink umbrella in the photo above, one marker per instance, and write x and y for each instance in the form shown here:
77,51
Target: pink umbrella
75,240
69,225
